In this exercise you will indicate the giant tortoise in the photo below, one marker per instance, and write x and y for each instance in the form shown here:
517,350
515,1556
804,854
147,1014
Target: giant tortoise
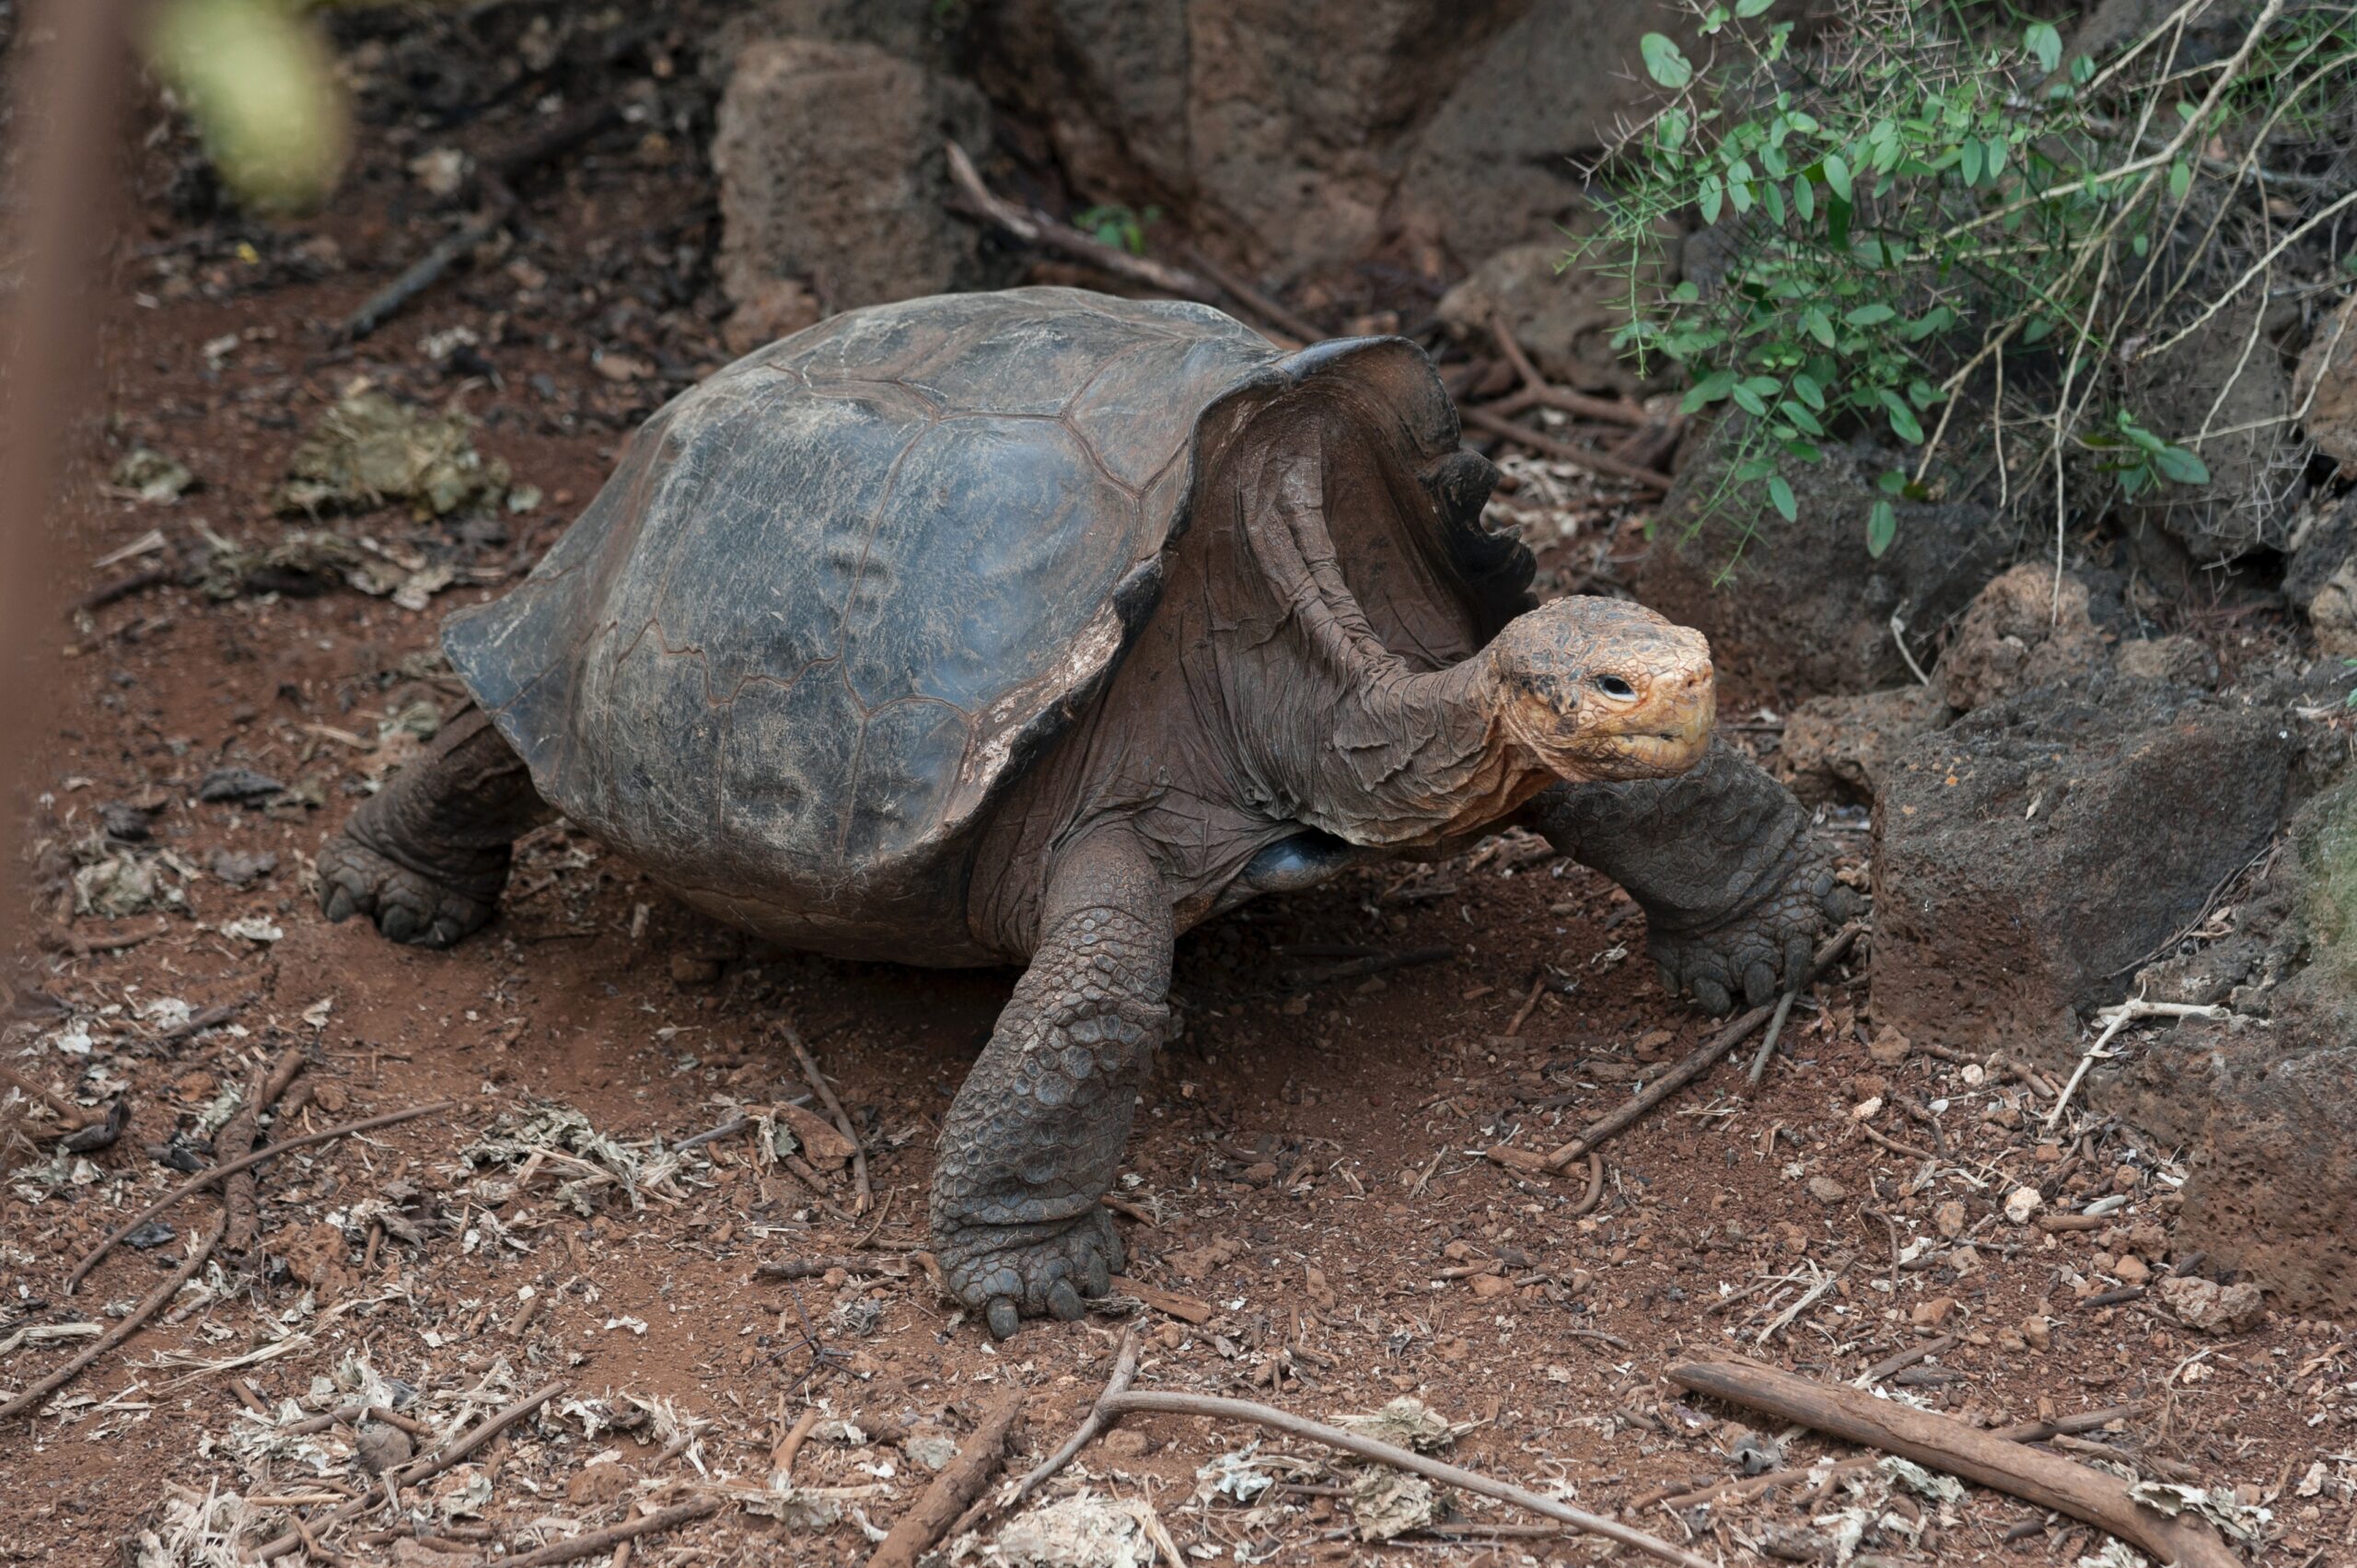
1037,627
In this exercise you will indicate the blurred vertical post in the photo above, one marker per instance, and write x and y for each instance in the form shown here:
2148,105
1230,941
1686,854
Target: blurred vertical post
71,69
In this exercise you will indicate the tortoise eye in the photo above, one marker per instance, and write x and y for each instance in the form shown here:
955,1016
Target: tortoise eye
1613,686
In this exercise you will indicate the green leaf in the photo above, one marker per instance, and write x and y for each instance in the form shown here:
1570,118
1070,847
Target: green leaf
1819,324
2181,177
1902,418
1995,148
1708,390
1780,492
1837,176
2038,330
1872,315
1802,419
1686,293
1747,9
1713,195
1969,158
1748,401
1891,481
1663,62
1805,198
2182,467
1805,388
1669,131
1882,527
2044,43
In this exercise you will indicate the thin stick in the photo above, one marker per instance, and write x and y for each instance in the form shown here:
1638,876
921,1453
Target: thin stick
1529,1005
211,1174
1537,389
866,1198
1125,1370
1267,306
781,1462
2115,1020
1768,1045
424,1468
1947,1443
1399,1458
595,1541
158,1299
1678,1078
239,1201
1594,1194
1563,451
953,1488
1037,228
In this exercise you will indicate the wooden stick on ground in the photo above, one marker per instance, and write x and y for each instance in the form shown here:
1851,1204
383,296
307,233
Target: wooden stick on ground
866,1198
959,1483
1399,1458
1125,1369
241,1204
1563,451
424,1468
1943,1443
1676,1078
1266,306
592,1542
156,1300
211,1174
781,1462
1035,227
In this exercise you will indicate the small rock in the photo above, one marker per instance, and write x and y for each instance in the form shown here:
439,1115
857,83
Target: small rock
380,1446
238,785
2212,1308
597,1484
241,868
2130,1270
153,1233
1825,1189
689,969
2022,1202
1949,1217
1933,1313
1127,1442
620,368
1488,1285
933,1452
2037,1331
151,476
1889,1048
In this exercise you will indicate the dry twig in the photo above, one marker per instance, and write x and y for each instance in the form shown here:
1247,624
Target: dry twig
1125,1369
156,1300
1947,1443
957,1484
592,1542
1399,1458
211,1174
866,1196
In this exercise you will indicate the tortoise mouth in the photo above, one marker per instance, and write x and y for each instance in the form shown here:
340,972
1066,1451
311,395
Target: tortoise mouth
1655,745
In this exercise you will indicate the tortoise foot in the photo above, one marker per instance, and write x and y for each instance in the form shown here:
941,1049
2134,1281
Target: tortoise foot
1013,1271
404,905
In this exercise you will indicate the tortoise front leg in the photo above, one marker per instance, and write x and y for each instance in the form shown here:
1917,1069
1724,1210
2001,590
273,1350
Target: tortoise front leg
1734,887
1035,1136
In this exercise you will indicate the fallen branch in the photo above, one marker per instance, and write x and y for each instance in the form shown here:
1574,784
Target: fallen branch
1035,227
866,1196
2114,1020
211,1174
894,1264
1537,389
239,1201
1266,306
1767,1041
959,1483
790,1448
1563,451
1125,1369
156,1300
594,1542
1399,1458
1943,1443
425,1466
1676,1078
498,212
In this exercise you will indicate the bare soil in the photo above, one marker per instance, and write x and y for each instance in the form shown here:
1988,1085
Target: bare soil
1308,1164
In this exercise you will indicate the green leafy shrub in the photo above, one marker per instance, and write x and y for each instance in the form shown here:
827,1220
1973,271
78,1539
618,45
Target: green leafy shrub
1928,209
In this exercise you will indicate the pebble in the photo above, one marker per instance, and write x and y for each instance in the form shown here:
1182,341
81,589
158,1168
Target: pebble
1825,1189
2022,1202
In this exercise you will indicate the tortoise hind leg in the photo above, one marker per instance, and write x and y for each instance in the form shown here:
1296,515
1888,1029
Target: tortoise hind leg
1034,1137
426,859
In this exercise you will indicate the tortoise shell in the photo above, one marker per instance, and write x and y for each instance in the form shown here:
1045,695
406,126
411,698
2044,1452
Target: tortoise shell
837,599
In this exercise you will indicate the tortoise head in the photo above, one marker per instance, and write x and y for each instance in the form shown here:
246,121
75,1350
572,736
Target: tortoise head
1600,690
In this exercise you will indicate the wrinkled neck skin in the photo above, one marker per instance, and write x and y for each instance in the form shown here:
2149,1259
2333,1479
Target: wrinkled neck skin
1403,759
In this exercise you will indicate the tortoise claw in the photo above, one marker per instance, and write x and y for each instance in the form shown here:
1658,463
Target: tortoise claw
1002,1319
1064,1302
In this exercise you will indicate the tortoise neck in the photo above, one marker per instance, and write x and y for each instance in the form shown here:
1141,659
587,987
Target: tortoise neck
1412,758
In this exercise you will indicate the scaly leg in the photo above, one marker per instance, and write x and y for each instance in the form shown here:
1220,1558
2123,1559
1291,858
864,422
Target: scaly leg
425,858
1035,1136
1734,887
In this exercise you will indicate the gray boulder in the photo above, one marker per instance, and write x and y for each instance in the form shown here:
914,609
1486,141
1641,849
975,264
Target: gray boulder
833,176
2031,858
